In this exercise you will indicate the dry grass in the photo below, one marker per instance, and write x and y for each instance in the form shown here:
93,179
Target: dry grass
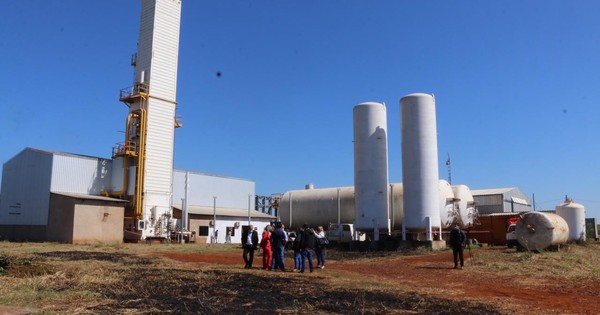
128,279
570,262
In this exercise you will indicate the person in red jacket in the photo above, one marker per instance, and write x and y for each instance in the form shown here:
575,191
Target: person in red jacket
265,244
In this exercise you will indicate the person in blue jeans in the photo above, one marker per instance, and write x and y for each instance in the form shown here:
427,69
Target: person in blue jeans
278,240
320,234
308,243
297,247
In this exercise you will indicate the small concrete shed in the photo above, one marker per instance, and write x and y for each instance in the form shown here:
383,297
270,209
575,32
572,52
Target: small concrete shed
85,219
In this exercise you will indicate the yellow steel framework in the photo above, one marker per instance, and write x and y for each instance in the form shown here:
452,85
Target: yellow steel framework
133,150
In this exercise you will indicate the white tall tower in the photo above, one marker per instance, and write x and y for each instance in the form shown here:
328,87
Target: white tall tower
147,154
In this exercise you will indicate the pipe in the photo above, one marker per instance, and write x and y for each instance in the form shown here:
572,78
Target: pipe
139,188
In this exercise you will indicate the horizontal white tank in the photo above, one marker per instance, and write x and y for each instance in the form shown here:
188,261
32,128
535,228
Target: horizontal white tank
447,213
371,167
539,230
420,162
396,206
465,205
574,214
321,206
317,207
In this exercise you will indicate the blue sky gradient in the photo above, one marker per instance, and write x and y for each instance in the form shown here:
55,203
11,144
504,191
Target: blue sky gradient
516,84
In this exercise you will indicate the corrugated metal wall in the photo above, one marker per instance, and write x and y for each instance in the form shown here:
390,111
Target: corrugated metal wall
159,146
165,49
230,192
26,182
516,207
79,174
158,49
500,203
144,51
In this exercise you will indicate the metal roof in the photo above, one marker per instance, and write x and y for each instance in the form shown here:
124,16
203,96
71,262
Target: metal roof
89,197
212,175
64,153
493,191
228,212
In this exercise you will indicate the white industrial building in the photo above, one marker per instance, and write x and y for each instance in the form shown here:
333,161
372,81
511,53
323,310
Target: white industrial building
55,196
72,198
500,200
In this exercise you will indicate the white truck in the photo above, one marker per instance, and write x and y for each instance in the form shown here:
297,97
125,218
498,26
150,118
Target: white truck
343,233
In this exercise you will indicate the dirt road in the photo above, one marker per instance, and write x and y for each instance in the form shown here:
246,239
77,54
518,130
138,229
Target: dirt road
433,275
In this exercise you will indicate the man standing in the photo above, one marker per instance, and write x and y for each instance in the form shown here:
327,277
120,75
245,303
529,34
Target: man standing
457,241
249,242
278,240
308,243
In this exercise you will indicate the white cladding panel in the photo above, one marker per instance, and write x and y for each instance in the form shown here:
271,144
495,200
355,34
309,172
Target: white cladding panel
26,188
80,174
144,49
371,166
116,182
420,161
163,81
159,147
158,47
230,192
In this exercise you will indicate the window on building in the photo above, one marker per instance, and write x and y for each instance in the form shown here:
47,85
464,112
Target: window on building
203,231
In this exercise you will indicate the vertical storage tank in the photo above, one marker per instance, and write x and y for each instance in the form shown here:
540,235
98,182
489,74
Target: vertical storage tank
371,167
539,230
465,205
420,162
574,215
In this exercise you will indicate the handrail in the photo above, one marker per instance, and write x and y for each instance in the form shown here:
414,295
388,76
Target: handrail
138,88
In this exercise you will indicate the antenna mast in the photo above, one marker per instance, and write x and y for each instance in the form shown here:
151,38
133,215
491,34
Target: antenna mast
449,169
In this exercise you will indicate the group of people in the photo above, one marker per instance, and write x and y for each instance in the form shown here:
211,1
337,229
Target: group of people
275,238
273,242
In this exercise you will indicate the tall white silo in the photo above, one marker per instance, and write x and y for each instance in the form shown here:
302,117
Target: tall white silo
574,215
420,163
371,167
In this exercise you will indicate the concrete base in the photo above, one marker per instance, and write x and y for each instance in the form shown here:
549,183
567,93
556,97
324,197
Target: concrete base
433,245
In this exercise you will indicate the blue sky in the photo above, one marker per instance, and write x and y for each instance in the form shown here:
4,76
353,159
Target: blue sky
517,85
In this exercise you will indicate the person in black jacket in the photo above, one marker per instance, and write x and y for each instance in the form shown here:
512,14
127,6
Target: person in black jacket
297,247
307,245
249,243
457,241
